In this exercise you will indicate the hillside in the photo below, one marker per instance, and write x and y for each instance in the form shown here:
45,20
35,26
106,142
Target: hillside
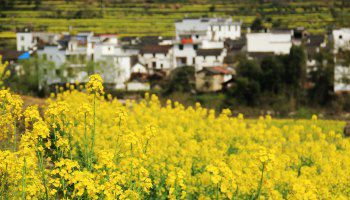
157,18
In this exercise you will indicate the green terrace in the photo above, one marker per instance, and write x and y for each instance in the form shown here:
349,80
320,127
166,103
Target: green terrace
137,18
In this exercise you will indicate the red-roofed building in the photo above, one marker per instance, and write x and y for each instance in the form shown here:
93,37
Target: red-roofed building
186,41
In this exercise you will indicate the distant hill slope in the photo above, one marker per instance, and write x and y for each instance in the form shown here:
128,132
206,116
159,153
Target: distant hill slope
156,17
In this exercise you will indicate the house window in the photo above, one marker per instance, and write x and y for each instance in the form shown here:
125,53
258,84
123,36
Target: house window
22,38
154,55
229,28
181,47
161,66
219,28
44,56
50,57
197,36
45,71
58,72
23,48
340,37
195,47
194,60
109,48
154,65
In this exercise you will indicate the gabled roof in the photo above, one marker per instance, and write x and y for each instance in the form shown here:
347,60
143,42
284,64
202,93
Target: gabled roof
216,70
235,45
315,40
150,40
209,52
260,55
155,49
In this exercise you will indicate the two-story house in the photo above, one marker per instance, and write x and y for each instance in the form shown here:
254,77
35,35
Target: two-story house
276,42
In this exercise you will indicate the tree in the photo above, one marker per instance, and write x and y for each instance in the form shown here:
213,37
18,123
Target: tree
37,4
7,4
247,85
272,72
212,8
181,80
295,74
246,91
257,24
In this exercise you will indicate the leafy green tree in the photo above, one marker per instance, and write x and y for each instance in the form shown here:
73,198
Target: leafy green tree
7,4
247,91
37,4
247,86
249,69
295,74
28,77
272,72
322,77
257,24
182,79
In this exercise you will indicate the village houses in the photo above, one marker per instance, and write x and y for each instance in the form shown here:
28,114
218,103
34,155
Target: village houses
207,44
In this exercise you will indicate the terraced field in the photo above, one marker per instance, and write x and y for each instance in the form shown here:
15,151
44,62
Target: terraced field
138,18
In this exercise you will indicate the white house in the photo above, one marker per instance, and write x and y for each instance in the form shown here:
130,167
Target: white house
106,45
216,29
209,58
139,68
341,78
72,53
203,33
25,41
29,41
341,39
66,68
114,62
156,57
276,42
184,54
116,70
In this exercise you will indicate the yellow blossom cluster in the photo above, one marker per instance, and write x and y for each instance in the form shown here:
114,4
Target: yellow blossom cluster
84,146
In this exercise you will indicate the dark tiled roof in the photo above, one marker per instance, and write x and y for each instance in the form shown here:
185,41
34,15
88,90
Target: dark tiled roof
235,45
128,38
315,40
216,70
209,52
139,77
260,55
150,40
155,49
312,44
